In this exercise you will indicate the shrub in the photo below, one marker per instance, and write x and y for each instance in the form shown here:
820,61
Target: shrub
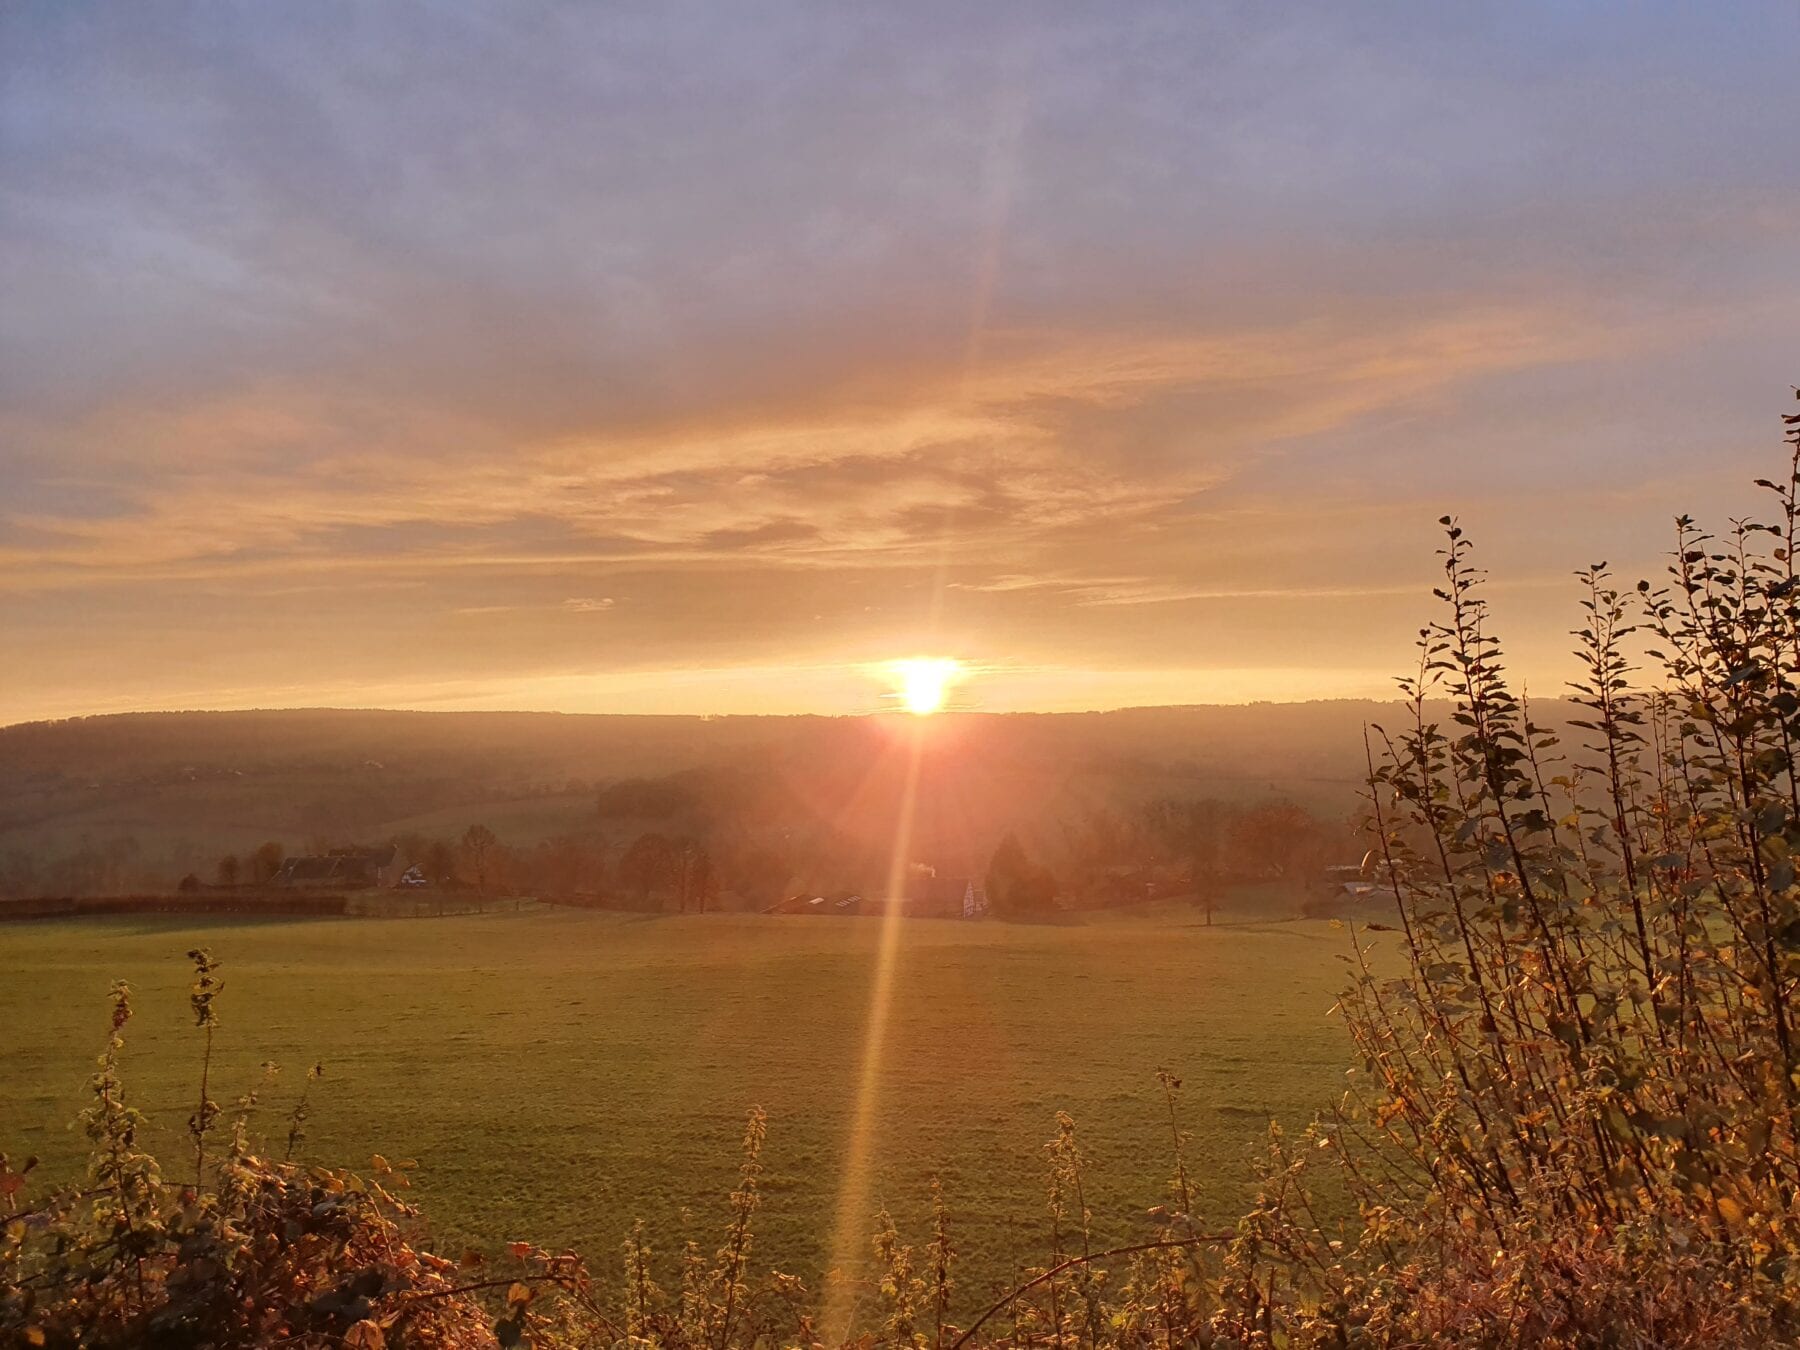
259,1253
1576,1115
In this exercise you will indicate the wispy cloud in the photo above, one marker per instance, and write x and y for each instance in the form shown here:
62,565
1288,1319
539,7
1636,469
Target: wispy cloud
1094,338
1041,443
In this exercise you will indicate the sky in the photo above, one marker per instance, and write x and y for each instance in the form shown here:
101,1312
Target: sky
703,358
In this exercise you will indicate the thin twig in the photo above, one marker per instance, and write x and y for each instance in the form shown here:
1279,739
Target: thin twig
1073,1261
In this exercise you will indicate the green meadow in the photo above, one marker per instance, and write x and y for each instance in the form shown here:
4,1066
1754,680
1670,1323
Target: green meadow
557,1075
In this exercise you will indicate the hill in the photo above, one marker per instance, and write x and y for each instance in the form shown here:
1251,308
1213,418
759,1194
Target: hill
139,799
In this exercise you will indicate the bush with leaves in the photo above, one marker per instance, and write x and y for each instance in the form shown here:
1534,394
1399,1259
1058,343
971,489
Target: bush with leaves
258,1252
1576,1118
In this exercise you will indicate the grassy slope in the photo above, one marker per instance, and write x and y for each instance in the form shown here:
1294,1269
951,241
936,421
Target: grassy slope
520,822
558,1074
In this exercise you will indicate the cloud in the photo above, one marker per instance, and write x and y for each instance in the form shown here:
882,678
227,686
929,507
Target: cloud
1096,338
1052,436
573,605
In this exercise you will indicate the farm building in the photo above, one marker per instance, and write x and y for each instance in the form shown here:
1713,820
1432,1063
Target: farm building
950,897
342,869
932,898
838,903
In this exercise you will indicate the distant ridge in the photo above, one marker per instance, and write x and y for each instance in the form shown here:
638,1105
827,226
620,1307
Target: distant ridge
153,796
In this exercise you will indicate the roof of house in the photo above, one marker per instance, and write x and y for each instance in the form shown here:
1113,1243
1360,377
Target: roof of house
348,865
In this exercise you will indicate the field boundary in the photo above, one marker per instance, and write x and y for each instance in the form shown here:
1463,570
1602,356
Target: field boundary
100,906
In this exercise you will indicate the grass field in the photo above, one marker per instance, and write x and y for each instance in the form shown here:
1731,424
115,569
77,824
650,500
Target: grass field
559,1074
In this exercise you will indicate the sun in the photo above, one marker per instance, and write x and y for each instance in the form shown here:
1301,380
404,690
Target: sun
922,683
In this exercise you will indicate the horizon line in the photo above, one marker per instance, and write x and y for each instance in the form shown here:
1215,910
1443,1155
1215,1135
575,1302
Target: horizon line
895,713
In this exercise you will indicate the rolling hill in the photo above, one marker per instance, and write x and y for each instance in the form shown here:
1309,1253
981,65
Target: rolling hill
140,799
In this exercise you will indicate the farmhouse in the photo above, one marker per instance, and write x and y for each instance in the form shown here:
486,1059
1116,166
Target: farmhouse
931,898
839,904
947,898
342,869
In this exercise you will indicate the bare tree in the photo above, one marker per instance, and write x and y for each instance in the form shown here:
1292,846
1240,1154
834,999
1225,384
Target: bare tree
479,845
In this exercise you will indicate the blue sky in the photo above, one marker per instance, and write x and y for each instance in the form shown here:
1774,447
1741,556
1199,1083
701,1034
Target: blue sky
692,356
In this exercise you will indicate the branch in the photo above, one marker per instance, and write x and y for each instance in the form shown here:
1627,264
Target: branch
426,1295
1074,1261
569,1284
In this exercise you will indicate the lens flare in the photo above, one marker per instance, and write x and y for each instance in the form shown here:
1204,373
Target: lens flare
922,684
849,1237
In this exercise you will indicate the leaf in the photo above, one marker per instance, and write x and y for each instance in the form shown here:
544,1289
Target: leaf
471,1257
365,1335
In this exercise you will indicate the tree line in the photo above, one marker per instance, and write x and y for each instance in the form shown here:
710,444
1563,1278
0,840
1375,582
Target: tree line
1161,847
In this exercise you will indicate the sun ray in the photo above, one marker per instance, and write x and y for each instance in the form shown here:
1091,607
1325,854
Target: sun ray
849,1230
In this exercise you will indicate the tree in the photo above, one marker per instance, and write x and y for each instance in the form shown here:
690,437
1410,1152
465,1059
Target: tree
566,865
439,862
1206,893
1016,886
412,846
228,870
699,878
266,862
1193,833
479,845
1277,837
648,865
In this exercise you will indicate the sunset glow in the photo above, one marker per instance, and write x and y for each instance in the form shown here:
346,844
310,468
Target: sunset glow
924,683
1023,342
